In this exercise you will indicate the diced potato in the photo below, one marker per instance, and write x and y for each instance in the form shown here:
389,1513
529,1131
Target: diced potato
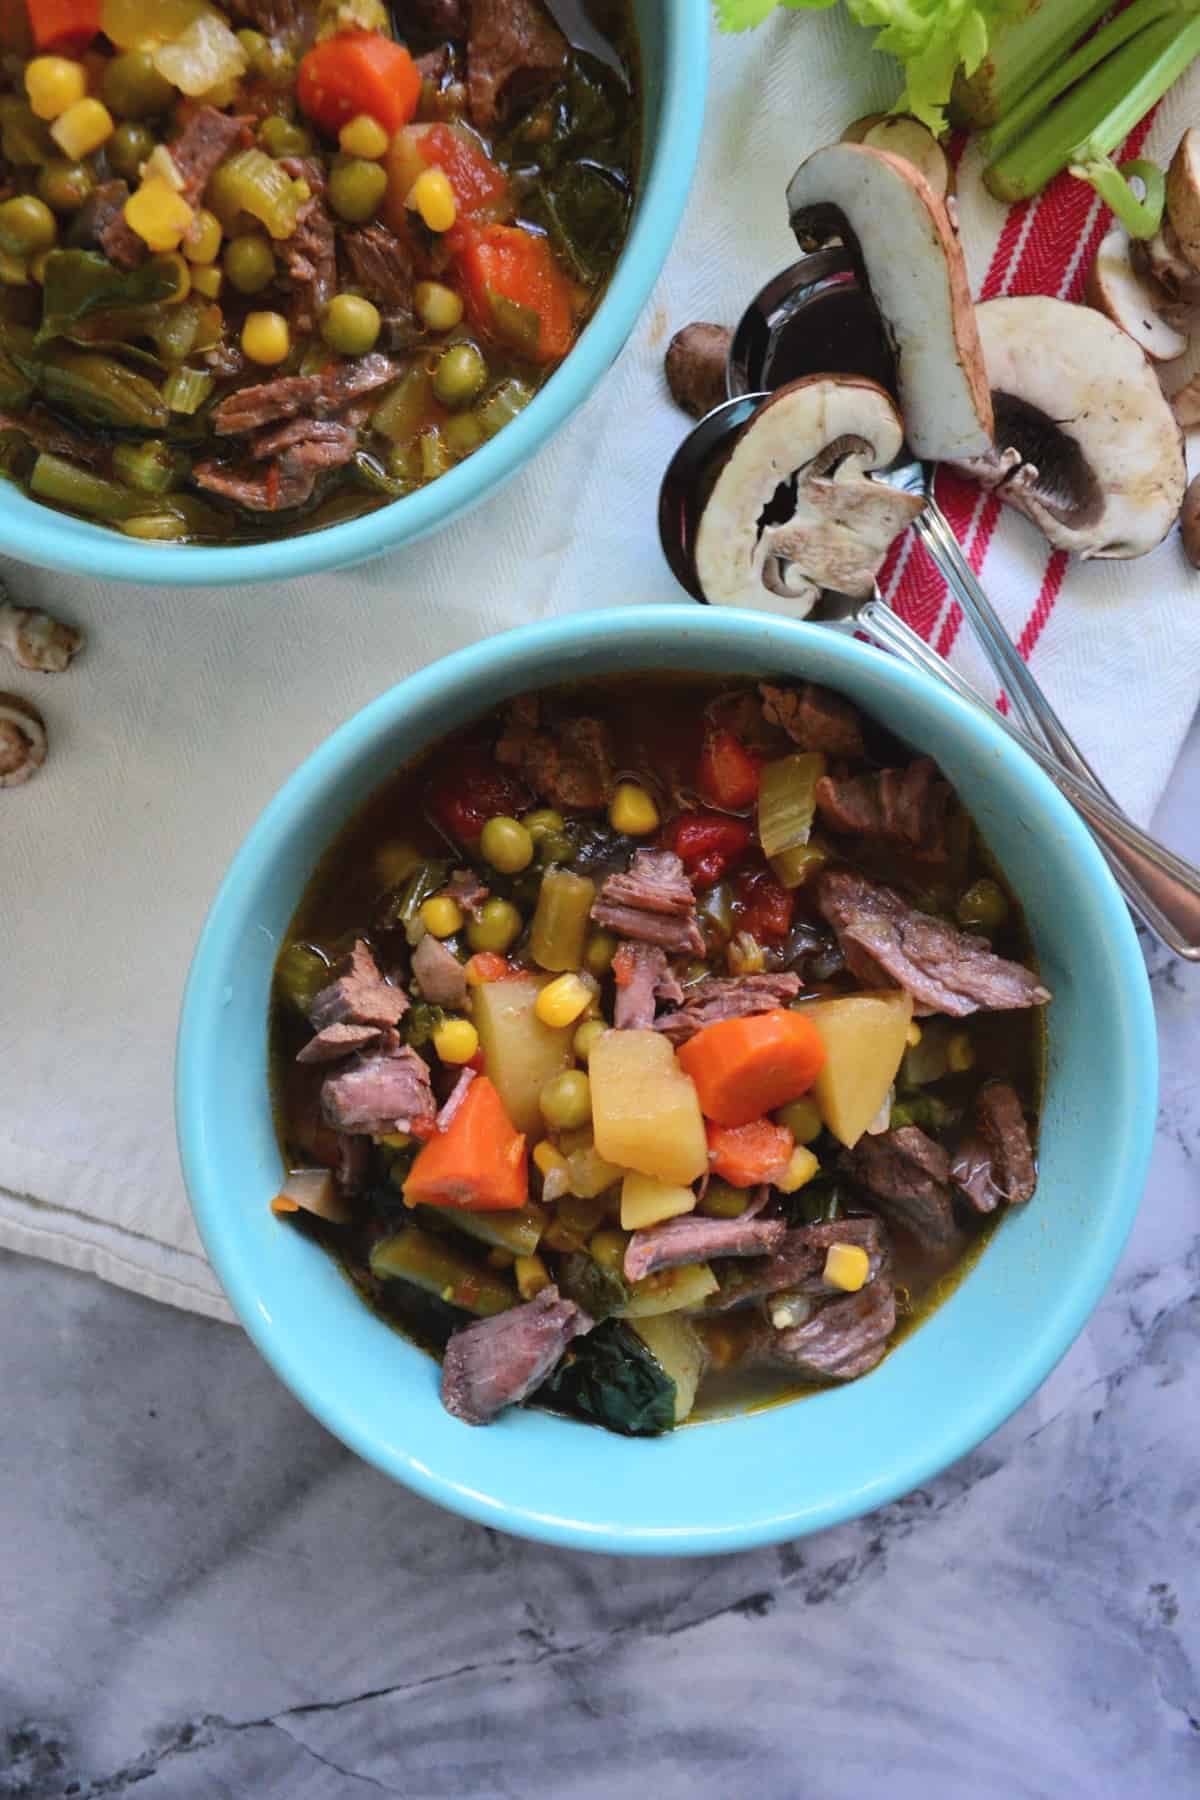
521,1053
647,1201
645,1112
865,1036
588,1175
676,1344
671,1290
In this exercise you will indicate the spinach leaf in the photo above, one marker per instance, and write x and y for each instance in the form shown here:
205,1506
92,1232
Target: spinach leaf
611,1377
81,285
601,1292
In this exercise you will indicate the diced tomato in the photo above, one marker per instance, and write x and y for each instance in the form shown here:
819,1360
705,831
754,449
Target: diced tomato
707,843
64,25
506,263
480,186
486,966
358,72
729,773
472,791
764,906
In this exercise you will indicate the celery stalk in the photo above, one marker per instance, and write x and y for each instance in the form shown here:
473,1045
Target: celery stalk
1141,217
1100,112
1017,54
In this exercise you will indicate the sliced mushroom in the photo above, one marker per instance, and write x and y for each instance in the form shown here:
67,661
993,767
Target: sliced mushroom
902,135
36,641
914,266
1161,258
821,435
1183,196
695,367
23,740
1189,523
1185,404
1132,300
1086,445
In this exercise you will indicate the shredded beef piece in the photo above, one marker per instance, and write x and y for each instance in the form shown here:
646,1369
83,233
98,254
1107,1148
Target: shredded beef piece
568,761
286,484
815,718
382,267
354,1156
906,1176
100,224
358,995
797,1267
325,443
204,142
653,903
225,360
455,1099
994,1160
844,1339
514,51
440,975
497,1362
642,977
904,806
694,1239
465,887
946,970
311,251
727,997
317,396
435,65
46,433
336,1041
380,1094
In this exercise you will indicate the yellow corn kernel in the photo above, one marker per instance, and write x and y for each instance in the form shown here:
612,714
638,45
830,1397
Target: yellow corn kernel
802,1166
456,1041
266,338
499,1258
562,1001
442,916
608,1249
532,1275
960,1053
207,280
439,308
158,214
913,1035
54,83
846,1267
632,810
432,196
364,136
204,237
546,1157
394,1140
83,128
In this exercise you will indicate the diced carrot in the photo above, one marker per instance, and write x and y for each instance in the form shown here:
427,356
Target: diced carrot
358,72
486,966
745,1155
477,1164
516,292
729,773
744,1068
64,24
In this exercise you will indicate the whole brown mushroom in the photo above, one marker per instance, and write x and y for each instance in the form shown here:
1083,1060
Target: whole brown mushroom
23,740
1189,523
36,641
695,367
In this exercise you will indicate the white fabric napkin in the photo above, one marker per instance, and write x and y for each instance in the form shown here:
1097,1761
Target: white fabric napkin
189,708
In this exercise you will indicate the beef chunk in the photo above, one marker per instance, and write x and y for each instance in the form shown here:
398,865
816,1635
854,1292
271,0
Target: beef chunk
45,432
320,443
336,1041
305,446
353,1161
653,903
382,266
465,887
727,997
316,396
906,1176
568,760
842,1340
496,1362
100,225
994,1160
311,251
514,51
694,1239
798,1265
358,995
271,16
434,18
944,969
379,1094
439,974
642,978
901,806
815,718
204,142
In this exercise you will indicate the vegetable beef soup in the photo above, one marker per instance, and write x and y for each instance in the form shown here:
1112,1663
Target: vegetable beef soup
267,268
657,1046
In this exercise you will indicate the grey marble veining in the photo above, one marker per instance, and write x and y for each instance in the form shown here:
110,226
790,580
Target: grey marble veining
203,1595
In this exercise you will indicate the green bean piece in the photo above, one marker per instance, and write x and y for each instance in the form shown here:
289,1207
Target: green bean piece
460,374
16,387
560,923
24,138
406,406
462,434
186,390
799,864
497,928
280,137
64,186
499,407
102,390
438,1267
26,225
132,87
435,457
300,974
65,484
723,1202
566,1102
128,148
160,526
983,906
350,325
519,1232
355,189
176,329
151,467
249,263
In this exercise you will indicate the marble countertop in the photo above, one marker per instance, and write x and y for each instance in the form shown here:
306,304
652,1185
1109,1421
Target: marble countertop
203,1594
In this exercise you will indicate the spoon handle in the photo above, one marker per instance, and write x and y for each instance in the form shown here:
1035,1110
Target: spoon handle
1160,886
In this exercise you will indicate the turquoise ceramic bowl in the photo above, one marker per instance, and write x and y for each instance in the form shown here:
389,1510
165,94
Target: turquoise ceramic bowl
793,1468
673,35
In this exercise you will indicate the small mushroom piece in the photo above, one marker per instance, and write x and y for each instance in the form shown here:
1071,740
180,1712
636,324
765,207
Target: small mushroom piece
23,741
1185,404
695,367
1189,523
902,135
1086,445
811,442
1183,196
36,641
914,267
1161,258
1132,300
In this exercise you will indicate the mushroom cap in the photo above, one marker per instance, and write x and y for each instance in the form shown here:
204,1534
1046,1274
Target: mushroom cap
1101,456
902,135
1183,195
1131,299
823,433
918,279
23,740
1189,523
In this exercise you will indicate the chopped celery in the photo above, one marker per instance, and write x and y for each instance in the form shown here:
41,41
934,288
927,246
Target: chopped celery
499,407
65,484
186,390
433,1264
787,806
1142,218
150,467
250,181
671,1290
560,924
406,406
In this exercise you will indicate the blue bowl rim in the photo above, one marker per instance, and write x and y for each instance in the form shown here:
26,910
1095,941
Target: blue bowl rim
37,534
1135,1049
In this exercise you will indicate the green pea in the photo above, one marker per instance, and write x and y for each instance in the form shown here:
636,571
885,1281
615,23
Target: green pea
462,434
598,953
984,904
280,137
554,847
128,148
587,1036
350,325
460,374
543,820
133,88
26,225
64,186
498,925
355,189
506,845
249,263
566,1101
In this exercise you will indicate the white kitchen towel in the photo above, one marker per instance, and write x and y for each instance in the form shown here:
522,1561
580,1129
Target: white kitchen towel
189,708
